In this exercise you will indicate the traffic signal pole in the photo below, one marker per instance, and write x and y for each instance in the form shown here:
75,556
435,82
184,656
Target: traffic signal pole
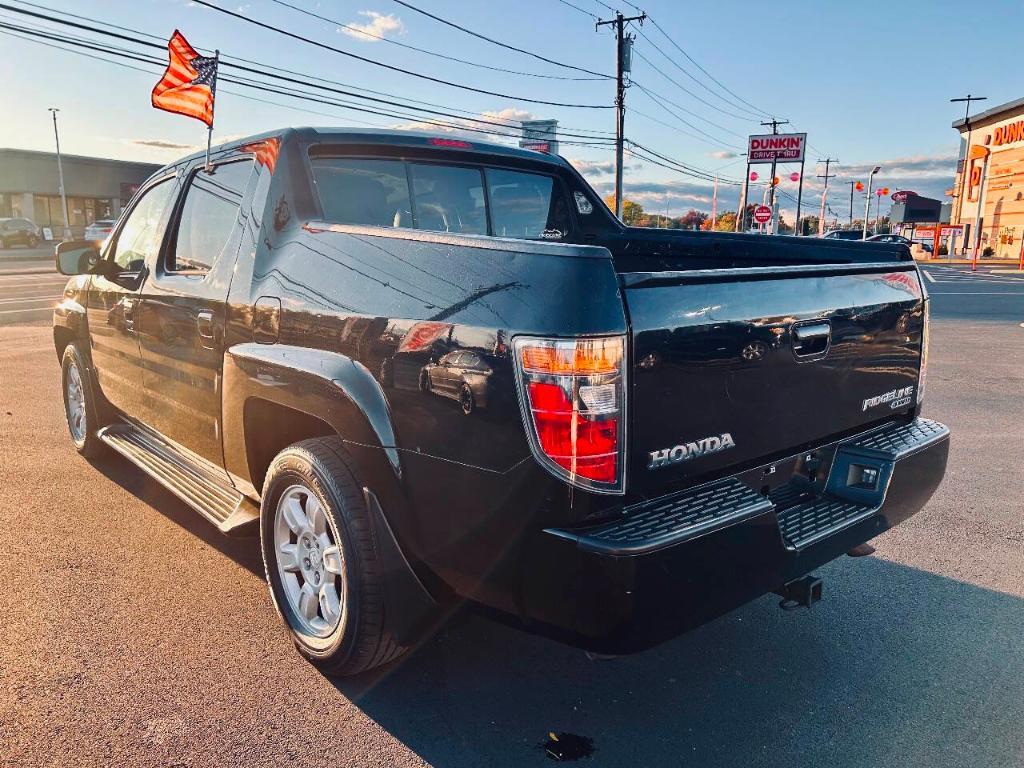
622,66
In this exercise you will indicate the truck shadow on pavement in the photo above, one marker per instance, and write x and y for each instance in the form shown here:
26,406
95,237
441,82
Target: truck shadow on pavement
243,550
896,666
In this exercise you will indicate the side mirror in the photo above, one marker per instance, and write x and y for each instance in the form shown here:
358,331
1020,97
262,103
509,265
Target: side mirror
77,257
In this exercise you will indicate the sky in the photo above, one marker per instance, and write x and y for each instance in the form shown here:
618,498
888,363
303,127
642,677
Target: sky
869,82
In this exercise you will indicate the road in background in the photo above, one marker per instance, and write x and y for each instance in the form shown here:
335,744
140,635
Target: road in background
28,296
135,634
991,293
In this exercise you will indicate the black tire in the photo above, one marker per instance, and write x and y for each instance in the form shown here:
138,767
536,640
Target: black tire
33,241
86,442
359,642
466,399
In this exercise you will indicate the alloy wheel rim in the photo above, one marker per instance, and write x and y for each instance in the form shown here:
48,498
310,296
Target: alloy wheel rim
310,562
75,403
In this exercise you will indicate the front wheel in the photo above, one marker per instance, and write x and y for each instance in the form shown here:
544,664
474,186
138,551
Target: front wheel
33,241
320,559
80,406
466,399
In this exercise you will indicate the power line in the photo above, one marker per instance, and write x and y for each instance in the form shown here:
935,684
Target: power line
523,51
348,93
711,77
429,52
367,60
749,115
594,16
663,103
293,93
163,44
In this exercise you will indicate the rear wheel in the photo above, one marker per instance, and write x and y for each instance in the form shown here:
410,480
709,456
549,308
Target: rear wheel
320,558
80,405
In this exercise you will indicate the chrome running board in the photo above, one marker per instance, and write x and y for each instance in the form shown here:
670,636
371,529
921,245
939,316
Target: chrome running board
219,503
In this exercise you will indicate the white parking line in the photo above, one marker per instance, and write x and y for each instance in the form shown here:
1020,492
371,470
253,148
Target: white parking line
34,297
928,275
23,311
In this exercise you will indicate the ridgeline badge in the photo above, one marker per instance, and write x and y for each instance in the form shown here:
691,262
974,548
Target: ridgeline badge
687,451
897,398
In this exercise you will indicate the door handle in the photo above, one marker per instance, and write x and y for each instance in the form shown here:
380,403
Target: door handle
204,325
811,332
128,313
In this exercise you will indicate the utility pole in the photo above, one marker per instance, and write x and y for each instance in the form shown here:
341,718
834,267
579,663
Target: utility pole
966,158
623,48
867,204
771,200
60,175
824,193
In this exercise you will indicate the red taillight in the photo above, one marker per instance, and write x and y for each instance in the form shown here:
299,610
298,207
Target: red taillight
573,394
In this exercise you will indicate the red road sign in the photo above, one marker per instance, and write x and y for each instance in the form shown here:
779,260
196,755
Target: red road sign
762,214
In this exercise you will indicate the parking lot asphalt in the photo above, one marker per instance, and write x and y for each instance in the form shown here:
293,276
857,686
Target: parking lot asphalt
134,634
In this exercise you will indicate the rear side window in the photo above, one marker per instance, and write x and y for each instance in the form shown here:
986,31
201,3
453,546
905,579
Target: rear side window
366,192
467,200
523,205
448,199
209,216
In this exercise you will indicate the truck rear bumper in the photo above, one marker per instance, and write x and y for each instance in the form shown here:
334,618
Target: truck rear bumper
674,563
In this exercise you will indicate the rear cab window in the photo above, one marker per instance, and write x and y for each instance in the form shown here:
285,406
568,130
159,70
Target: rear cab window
441,197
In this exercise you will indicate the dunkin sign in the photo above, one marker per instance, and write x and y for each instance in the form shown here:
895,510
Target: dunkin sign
1008,134
780,147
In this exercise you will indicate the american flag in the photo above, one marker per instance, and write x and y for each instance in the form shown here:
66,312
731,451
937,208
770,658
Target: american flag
188,85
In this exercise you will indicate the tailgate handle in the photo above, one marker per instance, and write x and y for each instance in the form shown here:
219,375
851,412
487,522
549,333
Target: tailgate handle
811,340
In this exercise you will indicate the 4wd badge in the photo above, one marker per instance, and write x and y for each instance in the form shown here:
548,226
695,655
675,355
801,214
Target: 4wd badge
896,398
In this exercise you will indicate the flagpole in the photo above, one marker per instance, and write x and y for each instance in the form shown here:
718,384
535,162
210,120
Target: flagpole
213,94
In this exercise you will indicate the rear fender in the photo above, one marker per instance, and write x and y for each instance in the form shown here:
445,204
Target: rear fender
327,386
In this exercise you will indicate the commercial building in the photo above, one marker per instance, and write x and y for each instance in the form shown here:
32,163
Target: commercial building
990,180
96,188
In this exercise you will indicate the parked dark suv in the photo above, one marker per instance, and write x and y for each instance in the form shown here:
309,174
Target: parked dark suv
661,425
18,232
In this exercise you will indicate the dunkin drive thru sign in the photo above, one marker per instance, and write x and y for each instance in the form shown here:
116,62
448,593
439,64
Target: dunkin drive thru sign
780,147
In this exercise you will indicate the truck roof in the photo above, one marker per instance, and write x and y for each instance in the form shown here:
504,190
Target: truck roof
386,136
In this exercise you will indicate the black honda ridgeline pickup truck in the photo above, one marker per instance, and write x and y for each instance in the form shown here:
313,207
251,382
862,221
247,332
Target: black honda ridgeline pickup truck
428,370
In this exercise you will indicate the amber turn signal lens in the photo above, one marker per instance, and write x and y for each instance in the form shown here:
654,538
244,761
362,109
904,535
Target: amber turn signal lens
581,357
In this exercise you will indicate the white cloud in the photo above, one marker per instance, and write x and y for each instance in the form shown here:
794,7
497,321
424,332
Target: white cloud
460,126
379,26
723,154
161,144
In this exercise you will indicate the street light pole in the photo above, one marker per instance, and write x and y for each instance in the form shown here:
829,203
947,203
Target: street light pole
60,175
867,204
966,164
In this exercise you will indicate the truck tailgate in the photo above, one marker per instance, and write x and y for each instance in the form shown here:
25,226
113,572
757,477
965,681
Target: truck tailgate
732,370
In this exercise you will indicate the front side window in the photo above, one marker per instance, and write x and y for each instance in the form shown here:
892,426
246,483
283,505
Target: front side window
142,233
209,216
371,193
448,199
526,205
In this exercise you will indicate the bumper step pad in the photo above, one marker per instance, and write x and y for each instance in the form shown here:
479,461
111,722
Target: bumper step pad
806,523
651,525
219,503
804,516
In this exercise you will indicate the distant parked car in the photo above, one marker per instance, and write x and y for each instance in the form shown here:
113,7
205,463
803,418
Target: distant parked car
462,375
18,232
915,246
843,234
99,229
